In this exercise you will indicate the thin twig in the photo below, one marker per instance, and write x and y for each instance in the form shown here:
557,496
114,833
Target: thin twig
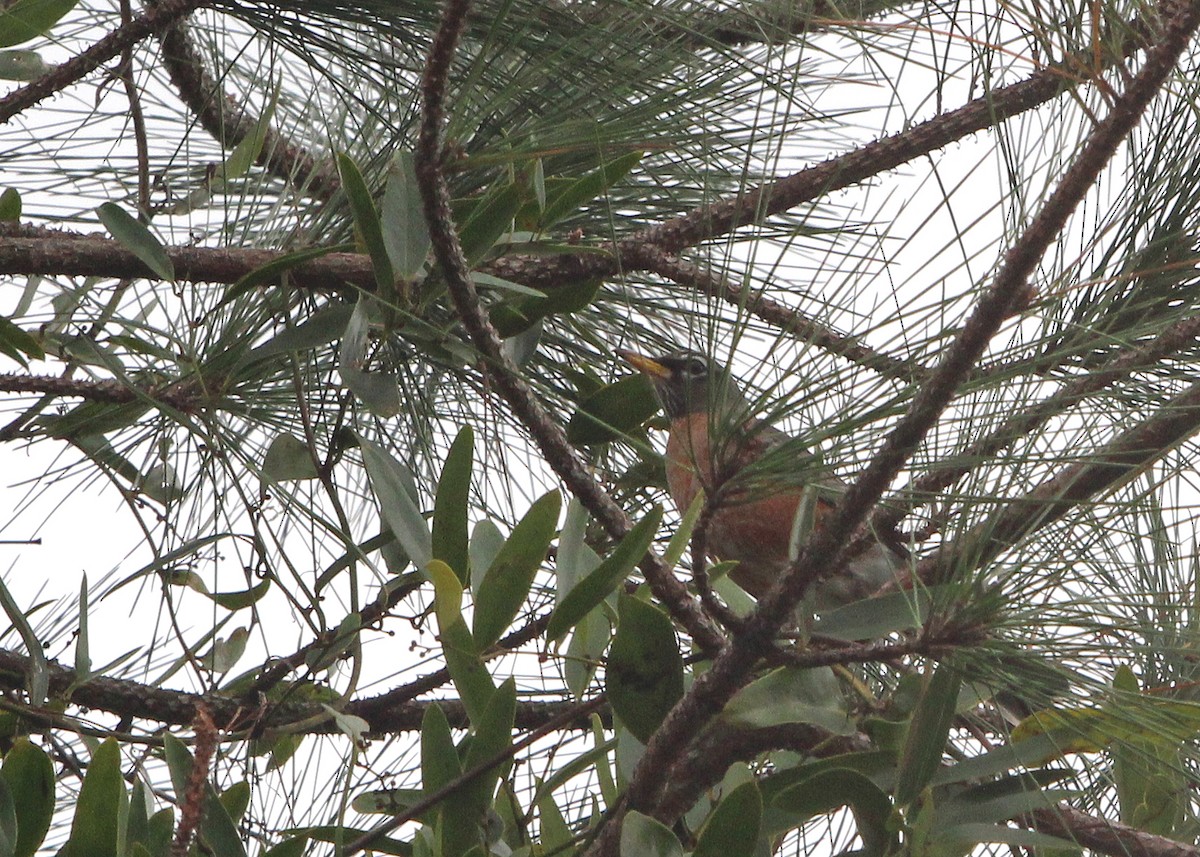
74,69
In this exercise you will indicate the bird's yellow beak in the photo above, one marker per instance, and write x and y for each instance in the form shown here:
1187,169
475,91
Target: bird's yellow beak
644,364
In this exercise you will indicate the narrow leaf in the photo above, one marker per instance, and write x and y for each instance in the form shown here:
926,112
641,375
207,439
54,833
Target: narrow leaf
643,836
405,234
137,239
389,480
27,19
450,542
594,588
366,218
287,458
613,411
587,188
467,670
95,826
927,733
29,775
506,584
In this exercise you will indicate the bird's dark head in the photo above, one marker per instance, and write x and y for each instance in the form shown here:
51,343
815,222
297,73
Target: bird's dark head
687,382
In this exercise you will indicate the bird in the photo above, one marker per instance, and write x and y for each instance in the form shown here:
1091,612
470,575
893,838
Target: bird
717,446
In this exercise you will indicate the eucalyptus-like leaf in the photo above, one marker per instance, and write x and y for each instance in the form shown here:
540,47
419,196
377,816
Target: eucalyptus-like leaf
95,827
837,787
137,239
733,828
462,653
792,695
366,219
644,673
390,482
288,458
402,218
613,411
928,732
450,542
24,20
594,588
643,836
29,776
505,586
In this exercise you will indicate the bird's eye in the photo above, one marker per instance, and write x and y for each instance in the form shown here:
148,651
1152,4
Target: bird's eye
696,368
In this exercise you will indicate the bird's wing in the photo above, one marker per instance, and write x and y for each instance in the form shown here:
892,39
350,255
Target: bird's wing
762,438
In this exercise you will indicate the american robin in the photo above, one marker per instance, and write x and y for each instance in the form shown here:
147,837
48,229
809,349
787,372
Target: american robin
717,446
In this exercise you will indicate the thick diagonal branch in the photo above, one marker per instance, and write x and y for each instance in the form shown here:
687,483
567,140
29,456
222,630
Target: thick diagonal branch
548,435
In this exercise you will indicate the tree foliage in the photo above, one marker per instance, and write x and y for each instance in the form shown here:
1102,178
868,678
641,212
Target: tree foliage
325,299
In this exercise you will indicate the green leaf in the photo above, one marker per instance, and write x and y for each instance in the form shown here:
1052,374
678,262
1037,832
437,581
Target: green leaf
1000,800
594,588
792,695
390,481
643,836
18,65
83,657
377,390
999,761
879,766
137,239
928,732
38,677
439,759
467,670
486,542
96,824
977,834
243,599
236,799
17,343
340,834
28,19
492,737
10,199
682,537
586,189
873,618
8,821
271,273
29,774
293,847
246,152
217,831
405,234
644,675
505,586
287,458
490,218
613,411
366,218
521,314
480,279
467,808
837,787
733,828
555,832
450,542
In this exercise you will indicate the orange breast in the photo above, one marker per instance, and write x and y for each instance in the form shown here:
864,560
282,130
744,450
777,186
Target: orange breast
754,530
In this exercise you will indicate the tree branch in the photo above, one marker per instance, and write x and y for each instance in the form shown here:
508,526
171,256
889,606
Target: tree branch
74,69
548,435
825,553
